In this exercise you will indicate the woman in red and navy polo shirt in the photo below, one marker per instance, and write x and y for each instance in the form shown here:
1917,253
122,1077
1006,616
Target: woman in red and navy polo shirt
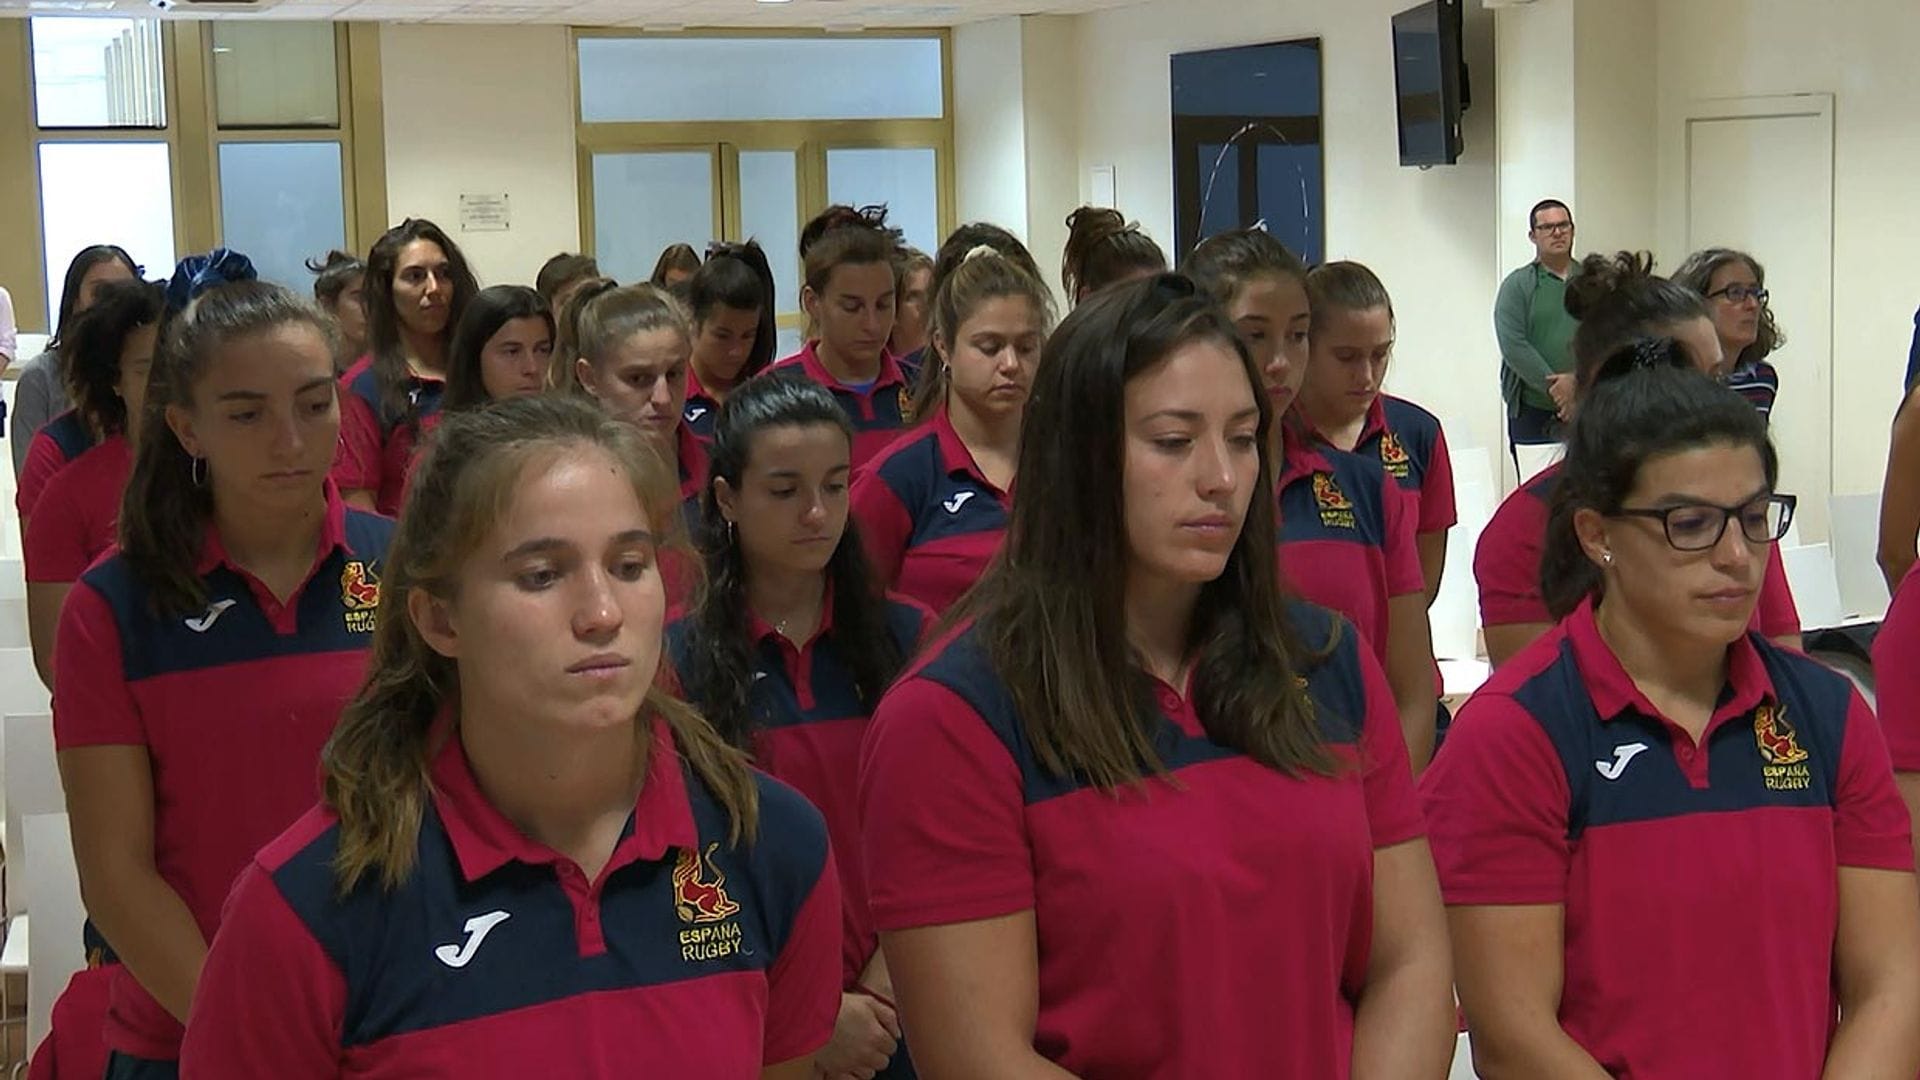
200,668
734,335
933,506
1343,401
1618,300
847,258
503,348
792,646
1671,848
418,287
1055,801
1896,684
1346,531
530,860
109,352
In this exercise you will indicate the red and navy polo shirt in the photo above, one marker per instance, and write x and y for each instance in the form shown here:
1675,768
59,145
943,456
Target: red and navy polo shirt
687,956
1346,536
62,439
878,412
808,725
701,409
1409,444
74,522
232,705
1506,565
930,519
1697,878
1896,673
1173,941
376,453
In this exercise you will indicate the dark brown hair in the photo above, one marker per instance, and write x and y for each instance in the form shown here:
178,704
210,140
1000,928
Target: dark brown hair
842,236
562,270
1051,610
738,276
164,513
333,274
1227,262
94,345
1345,286
1619,300
1103,247
679,257
719,671
376,764
492,308
383,321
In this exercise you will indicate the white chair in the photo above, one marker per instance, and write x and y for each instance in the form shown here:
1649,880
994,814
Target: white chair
1816,589
33,787
1532,459
1462,1060
1455,616
1854,521
21,690
13,625
13,573
54,949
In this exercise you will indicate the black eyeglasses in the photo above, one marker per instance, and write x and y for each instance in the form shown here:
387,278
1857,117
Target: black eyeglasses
1740,294
1699,526
1554,227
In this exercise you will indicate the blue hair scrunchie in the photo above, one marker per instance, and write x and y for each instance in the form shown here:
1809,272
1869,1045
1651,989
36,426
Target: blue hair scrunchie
198,273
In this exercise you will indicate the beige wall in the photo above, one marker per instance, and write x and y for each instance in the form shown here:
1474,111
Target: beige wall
990,133
1430,234
483,110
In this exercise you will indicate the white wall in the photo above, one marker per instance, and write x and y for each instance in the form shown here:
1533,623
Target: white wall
1533,50
990,133
1615,136
1862,52
483,110
1430,235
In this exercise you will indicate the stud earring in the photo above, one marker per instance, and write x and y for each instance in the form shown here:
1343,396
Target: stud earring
1607,557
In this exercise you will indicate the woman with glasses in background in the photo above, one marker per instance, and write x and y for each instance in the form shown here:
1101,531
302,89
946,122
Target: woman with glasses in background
1734,284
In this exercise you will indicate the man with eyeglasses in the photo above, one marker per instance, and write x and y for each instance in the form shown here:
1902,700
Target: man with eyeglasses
1531,323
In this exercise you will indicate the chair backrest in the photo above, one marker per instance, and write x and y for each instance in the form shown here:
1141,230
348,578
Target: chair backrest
32,787
21,691
1816,591
54,948
13,572
1854,521
13,625
1455,615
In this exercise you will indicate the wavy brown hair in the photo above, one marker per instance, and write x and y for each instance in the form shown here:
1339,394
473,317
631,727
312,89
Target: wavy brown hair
1697,274
1103,248
376,765
1051,610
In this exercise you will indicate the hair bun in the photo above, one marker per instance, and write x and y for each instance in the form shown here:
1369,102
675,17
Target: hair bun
980,251
197,273
1601,276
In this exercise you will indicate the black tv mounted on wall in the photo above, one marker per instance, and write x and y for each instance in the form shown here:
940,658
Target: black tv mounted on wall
1430,80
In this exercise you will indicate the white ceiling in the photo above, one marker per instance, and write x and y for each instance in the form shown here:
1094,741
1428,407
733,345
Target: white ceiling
658,14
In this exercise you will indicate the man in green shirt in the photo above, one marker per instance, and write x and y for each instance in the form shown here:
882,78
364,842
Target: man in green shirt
1535,332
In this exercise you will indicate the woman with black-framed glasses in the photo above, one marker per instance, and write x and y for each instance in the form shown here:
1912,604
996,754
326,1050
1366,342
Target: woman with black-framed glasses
1670,847
1734,284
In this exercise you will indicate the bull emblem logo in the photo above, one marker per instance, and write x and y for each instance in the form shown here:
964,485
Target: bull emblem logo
1778,744
1328,494
696,899
1392,455
359,589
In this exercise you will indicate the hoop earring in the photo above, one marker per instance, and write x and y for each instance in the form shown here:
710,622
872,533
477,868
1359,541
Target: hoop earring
199,472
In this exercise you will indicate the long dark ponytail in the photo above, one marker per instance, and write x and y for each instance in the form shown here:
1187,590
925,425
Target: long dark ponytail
738,276
164,512
719,673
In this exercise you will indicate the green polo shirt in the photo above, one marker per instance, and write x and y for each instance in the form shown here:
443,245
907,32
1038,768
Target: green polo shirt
1535,332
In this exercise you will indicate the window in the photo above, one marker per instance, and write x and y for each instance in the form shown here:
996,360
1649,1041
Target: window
128,144
96,73
676,147
275,75
838,78
105,193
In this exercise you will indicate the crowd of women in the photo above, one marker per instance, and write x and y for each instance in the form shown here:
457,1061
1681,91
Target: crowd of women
550,681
